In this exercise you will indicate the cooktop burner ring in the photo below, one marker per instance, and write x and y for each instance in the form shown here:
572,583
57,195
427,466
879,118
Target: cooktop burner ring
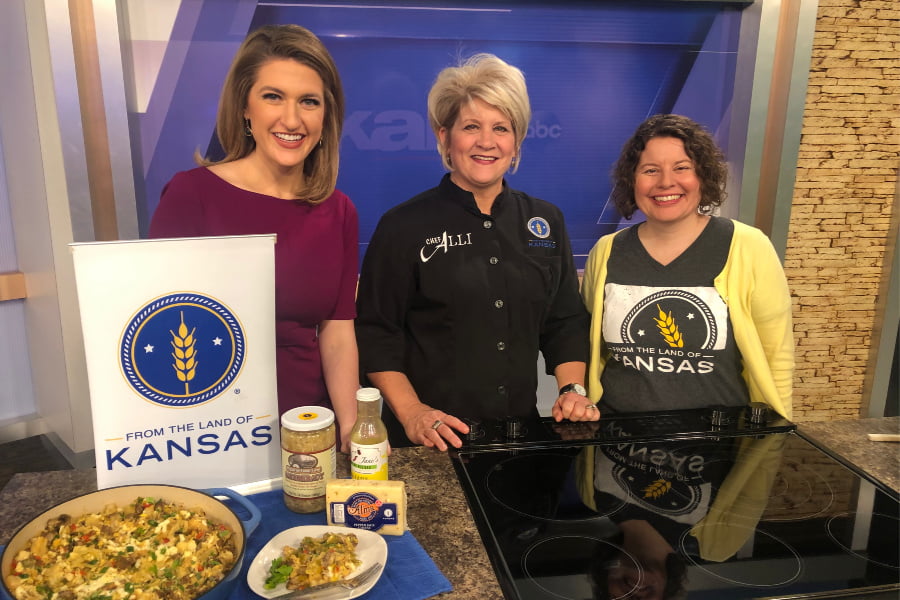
703,565
833,522
800,496
623,559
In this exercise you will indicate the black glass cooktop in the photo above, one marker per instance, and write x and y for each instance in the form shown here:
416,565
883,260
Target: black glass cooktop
688,504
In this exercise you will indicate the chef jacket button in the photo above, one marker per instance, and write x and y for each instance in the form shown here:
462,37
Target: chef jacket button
488,224
501,389
498,303
494,260
501,345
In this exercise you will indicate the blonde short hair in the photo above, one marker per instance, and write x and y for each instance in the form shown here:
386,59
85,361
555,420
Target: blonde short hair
483,77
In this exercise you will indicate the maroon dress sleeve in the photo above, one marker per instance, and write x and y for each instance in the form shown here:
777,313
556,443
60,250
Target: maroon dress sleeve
180,212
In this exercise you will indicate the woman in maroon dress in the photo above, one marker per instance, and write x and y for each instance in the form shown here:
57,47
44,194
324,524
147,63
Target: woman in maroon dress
279,123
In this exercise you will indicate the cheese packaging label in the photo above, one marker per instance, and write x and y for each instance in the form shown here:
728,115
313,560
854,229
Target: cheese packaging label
378,506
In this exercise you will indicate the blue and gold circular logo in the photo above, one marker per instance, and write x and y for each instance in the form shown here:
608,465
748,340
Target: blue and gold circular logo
539,227
182,350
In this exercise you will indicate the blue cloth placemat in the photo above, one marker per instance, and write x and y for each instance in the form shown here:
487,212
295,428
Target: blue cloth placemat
409,574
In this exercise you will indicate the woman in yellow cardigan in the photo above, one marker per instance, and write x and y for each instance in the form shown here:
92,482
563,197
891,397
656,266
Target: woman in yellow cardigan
688,309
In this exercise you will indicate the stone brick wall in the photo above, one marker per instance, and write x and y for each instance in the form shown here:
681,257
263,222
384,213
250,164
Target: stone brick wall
843,202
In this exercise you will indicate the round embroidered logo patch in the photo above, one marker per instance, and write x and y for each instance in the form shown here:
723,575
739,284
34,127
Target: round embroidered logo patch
539,227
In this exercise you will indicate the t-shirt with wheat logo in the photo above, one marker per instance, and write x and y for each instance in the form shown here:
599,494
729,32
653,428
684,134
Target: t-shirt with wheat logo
666,329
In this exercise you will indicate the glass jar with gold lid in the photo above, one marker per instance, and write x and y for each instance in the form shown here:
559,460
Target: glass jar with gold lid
308,450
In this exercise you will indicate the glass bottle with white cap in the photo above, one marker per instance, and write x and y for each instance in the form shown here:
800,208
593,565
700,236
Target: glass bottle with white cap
368,439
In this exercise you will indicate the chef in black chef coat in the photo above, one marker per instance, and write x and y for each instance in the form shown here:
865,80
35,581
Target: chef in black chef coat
465,283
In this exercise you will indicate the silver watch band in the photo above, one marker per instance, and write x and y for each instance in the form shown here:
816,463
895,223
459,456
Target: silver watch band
573,387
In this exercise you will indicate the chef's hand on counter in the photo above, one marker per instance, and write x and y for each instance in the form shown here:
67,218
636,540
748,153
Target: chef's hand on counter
423,424
575,407
434,428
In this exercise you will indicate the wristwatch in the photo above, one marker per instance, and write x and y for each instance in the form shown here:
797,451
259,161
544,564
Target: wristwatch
573,387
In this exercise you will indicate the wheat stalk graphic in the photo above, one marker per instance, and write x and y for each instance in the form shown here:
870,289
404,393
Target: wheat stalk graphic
657,488
184,354
669,330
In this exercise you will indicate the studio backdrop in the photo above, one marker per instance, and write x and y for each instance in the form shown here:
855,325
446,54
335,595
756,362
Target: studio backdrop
594,71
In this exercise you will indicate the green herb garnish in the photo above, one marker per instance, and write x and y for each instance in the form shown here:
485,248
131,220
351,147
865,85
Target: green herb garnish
278,573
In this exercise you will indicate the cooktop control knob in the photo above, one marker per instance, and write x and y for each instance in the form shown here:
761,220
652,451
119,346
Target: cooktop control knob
514,427
718,416
476,430
759,413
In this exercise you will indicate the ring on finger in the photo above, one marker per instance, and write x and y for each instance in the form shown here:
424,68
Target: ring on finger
436,424
590,407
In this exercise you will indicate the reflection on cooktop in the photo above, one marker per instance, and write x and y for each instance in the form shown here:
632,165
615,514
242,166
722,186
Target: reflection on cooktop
530,486
736,516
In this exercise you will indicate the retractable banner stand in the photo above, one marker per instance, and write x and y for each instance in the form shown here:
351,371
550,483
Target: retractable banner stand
179,338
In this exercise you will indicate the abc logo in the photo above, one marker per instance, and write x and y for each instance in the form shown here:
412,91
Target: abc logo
543,126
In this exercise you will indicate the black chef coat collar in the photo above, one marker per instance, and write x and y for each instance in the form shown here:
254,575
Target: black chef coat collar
466,199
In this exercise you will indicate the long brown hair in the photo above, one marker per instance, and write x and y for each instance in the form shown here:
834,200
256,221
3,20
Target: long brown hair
271,42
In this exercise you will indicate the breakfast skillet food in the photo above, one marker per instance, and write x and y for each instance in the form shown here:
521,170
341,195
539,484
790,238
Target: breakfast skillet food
149,550
327,558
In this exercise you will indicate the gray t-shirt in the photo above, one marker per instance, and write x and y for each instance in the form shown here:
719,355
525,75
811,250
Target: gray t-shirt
666,328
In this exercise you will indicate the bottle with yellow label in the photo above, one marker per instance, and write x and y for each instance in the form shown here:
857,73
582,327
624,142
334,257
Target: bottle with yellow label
368,440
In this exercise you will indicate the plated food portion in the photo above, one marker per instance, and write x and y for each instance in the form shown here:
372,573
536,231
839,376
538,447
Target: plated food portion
316,560
311,555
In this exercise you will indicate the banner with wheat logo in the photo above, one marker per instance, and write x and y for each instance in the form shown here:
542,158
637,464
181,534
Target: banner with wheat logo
181,362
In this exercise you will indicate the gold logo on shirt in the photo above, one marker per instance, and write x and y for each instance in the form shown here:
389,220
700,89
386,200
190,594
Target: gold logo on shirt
669,329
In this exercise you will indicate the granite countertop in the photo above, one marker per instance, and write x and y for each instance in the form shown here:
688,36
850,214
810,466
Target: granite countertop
848,441
438,515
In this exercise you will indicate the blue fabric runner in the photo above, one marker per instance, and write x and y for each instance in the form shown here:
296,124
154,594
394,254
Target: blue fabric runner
409,574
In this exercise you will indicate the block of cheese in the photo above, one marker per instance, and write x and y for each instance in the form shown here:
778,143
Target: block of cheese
374,505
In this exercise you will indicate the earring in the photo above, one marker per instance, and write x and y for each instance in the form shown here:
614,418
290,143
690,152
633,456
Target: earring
513,163
320,142
247,131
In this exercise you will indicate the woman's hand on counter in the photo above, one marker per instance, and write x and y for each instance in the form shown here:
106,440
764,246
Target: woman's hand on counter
575,407
434,428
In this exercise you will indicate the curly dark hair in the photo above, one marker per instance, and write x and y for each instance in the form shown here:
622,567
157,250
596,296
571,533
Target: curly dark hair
709,162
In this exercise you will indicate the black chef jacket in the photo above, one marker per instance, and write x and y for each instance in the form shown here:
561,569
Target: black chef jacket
461,302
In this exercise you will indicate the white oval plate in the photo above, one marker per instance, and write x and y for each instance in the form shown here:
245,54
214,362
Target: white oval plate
370,550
